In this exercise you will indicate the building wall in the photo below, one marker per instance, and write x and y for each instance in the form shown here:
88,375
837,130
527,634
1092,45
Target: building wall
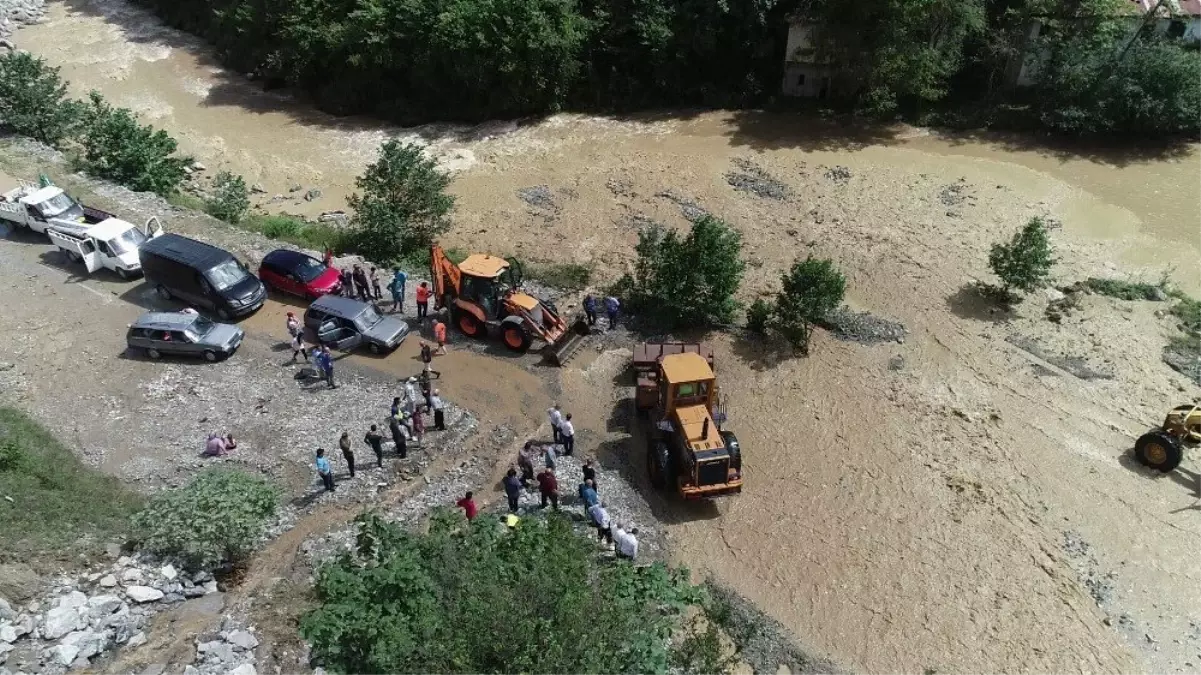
806,79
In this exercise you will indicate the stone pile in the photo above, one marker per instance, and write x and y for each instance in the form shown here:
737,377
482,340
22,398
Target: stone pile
16,13
82,618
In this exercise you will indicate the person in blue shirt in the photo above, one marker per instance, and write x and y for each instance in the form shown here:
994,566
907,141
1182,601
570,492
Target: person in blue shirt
590,309
397,288
588,494
324,470
326,361
611,308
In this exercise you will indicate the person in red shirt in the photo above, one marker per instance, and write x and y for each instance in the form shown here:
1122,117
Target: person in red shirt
468,505
548,485
423,300
440,336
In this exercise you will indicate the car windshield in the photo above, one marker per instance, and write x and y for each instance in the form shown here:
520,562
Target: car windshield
200,327
227,275
127,242
56,205
308,268
369,318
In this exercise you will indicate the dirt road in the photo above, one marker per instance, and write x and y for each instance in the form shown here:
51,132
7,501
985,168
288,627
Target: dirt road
960,501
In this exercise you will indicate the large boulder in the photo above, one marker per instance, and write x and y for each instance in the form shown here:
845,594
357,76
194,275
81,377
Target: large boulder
6,611
103,605
244,669
74,599
8,632
141,594
89,643
60,621
242,639
18,582
64,654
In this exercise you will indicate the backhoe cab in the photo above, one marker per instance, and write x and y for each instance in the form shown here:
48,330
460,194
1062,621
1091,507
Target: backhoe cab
484,292
687,449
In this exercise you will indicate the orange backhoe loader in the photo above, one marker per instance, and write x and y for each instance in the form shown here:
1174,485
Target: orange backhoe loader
484,292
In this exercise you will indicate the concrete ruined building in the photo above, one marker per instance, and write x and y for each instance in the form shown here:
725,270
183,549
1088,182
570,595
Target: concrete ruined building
807,73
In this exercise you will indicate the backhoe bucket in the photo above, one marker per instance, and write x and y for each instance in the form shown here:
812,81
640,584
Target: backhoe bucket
568,344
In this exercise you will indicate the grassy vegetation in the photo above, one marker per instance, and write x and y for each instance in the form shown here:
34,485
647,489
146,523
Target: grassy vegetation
57,505
762,642
296,231
565,276
1126,290
1188,310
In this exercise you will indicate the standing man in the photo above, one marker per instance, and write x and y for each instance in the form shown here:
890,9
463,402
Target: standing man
589,473
293,325
512,489
548,456
548,486
627,543
326,361
298,346
397,288
398,437
468,505
375,292
440,336
347,283
361,285
324,470
612,306
438,406
419,425
590,309
556,422
567,432
423,300
410,404
347,453
376,440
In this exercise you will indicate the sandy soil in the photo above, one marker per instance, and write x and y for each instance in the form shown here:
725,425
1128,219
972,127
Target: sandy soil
955,501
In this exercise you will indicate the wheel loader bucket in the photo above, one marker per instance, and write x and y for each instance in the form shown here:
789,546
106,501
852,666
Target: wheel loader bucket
568,344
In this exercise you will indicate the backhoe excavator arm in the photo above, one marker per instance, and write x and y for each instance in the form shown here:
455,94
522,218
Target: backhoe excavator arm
445,274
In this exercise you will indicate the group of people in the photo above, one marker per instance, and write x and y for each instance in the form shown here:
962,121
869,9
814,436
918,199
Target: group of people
612,309
323,359
406,422
621,536
217,445
357,282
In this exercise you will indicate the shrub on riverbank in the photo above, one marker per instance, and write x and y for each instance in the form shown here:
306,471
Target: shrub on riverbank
218,517
478,597
33,99
54,504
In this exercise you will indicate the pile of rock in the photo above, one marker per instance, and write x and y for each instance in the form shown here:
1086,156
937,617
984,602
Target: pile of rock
230,652
16,13
84,617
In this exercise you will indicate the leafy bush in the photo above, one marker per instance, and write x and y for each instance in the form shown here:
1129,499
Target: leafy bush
58,504
1126,290
403,205
1188,310
481,598
564,276
33,99
230,199
117,148
758,315
1025,262
218,517
689,281
810,291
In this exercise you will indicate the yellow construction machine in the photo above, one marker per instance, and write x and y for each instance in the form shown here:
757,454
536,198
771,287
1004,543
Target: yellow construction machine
484,292
1163,448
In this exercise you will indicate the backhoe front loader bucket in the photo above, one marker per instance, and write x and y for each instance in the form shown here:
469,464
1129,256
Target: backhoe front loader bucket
558,352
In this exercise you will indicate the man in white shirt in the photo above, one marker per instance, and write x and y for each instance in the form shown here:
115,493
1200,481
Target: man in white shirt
600,518
567,435
627,542
556,420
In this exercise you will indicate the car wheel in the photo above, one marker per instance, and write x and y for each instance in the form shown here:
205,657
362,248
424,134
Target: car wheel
124,273
222,314
375,349
154,353
210,355
163,292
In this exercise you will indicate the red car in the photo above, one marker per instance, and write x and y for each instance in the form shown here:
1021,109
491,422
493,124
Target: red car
298,274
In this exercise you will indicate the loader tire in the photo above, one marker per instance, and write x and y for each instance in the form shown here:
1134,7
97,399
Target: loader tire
469,325
1158,450
733,449
658,464
515,338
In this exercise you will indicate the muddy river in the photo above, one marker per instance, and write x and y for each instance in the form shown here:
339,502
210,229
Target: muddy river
1152,198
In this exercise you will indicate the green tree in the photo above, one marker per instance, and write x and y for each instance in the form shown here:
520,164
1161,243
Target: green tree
230,199
403,205
688,281
477,597
218,517
33,99
758,316
117,148
811,290
1025,262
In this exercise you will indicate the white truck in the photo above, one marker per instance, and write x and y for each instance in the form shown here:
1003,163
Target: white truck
37,208
112,243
